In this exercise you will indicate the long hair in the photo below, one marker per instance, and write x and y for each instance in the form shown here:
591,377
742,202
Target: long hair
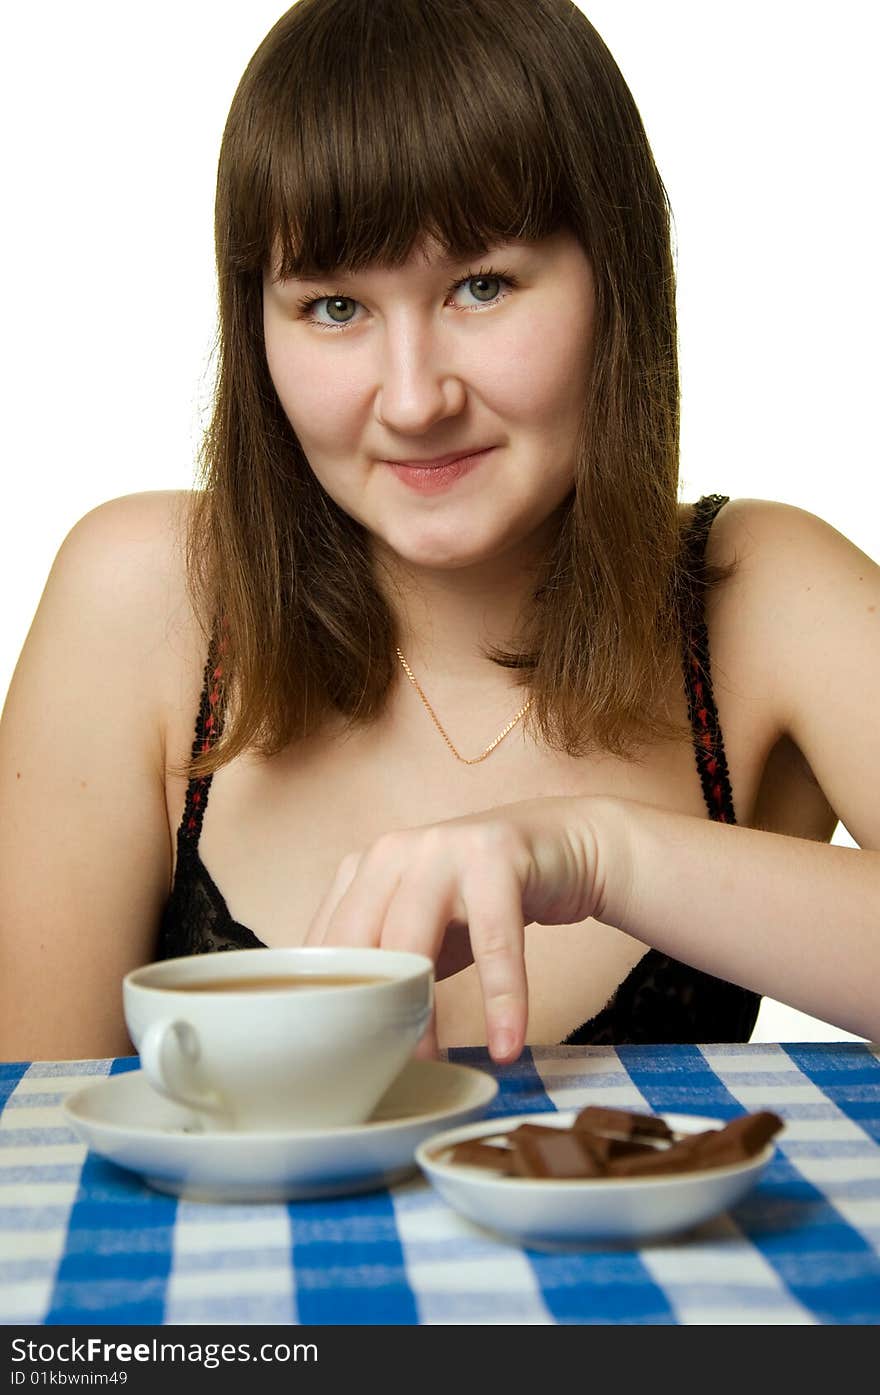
358,127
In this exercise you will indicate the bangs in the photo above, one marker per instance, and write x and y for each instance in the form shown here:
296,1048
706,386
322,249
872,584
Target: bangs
370,123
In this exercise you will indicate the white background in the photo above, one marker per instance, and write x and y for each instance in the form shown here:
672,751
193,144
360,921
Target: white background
763,121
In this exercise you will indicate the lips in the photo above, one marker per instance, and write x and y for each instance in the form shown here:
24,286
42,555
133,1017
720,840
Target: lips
437,475
439,461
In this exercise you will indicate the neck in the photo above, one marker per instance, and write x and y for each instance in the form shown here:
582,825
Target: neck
448,620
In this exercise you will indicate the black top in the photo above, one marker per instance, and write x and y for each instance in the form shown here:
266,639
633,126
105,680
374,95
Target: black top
660,1000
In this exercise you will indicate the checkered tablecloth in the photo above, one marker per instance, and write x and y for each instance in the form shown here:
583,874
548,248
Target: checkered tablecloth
82,1241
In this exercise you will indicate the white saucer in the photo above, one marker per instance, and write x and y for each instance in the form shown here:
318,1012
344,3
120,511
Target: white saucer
124,1120
568,1214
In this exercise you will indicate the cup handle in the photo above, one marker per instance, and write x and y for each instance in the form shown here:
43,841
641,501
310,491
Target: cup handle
169,1052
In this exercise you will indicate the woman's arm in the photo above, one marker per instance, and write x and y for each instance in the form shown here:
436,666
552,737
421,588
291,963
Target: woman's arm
796,920
85,853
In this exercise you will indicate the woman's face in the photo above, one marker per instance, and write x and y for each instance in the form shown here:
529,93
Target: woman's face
390,372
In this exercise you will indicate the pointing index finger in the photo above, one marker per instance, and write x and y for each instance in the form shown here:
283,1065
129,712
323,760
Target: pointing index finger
495,922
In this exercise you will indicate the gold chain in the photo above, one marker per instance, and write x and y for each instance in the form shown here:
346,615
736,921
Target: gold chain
433,715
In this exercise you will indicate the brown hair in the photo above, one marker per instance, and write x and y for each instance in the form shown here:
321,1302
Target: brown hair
357,127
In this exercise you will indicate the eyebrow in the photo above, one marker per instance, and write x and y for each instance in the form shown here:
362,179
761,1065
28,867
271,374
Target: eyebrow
469,253
444,263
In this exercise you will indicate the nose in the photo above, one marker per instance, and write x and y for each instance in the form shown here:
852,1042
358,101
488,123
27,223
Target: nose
418,383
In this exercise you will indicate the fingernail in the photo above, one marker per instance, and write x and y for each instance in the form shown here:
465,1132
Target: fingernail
502,1042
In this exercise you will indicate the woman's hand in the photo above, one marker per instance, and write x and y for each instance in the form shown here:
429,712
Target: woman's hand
462,891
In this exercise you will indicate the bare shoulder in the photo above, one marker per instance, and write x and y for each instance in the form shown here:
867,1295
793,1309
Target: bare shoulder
799,590
797,631
782,551
122,569
752,524
116,620
136,541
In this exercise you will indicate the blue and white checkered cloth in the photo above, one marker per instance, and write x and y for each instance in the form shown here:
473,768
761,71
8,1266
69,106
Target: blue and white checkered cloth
82,1241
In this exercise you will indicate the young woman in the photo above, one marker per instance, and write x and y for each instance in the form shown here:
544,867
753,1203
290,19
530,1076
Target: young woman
465,675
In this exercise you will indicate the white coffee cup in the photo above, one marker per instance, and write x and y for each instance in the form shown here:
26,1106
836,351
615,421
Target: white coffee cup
289,1056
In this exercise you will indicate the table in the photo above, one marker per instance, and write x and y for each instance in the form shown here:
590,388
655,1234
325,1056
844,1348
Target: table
84,1242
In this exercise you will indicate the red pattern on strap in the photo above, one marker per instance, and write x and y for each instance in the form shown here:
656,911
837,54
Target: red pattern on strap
208,730
707,740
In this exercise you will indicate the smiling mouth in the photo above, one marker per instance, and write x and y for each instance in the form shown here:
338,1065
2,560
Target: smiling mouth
434,476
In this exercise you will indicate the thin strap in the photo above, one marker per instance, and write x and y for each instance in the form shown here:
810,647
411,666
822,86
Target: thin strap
209,725
708,741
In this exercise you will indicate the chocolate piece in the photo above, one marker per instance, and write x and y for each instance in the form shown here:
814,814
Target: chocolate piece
558,1153
475,1152
680,1156
743,1137
533,1131
623,1122
599,1147
753,1131
625,1148
605,1149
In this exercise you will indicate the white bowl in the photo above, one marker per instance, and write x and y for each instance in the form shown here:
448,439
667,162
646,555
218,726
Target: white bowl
572,1212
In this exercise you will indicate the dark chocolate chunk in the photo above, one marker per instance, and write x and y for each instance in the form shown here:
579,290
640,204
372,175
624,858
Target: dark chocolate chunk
741,1138
736,1142
678,1157
604,1149
558,1153
624,1122
475,1152
599,1147
533,1131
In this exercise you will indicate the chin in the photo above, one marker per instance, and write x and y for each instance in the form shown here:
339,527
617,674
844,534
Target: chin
444,554
441,561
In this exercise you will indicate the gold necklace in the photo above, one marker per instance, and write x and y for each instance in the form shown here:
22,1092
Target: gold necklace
475,760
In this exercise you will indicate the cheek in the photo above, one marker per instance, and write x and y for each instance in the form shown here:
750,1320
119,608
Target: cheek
316,402
541,375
